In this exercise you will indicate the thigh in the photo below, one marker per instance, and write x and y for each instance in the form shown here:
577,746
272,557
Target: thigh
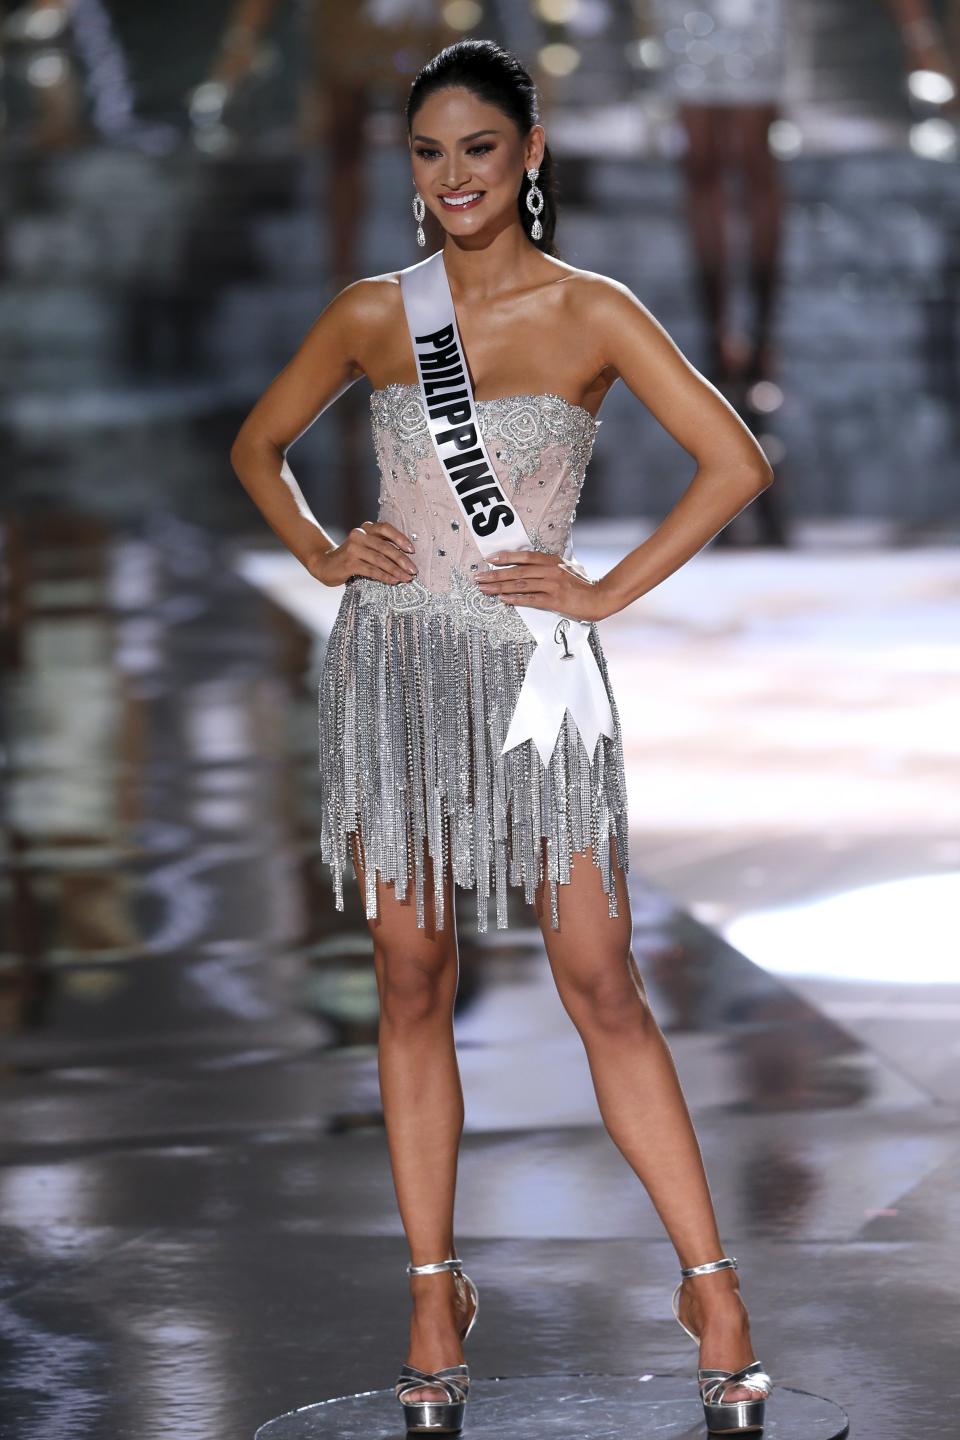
749,127
592,949
397,938
707,132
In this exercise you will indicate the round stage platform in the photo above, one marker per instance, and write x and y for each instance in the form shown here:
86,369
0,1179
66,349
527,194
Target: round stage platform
563,1407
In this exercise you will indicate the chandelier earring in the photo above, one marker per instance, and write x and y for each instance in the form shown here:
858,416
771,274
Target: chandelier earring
535,202
419,210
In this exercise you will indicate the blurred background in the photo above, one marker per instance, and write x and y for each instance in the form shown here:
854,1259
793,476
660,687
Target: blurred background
193,1175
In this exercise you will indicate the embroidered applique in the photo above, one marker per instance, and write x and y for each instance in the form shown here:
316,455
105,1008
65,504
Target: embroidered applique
516,428
465,605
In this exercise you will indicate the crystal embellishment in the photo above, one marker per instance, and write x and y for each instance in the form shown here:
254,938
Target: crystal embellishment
419,679
517,427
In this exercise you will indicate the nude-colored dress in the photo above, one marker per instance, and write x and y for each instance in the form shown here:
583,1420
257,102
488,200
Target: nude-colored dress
420,679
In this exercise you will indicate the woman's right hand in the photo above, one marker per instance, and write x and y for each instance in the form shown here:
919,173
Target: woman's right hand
376,549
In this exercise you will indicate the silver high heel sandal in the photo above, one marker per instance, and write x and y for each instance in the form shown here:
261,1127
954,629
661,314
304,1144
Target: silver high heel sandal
729,1416
443,1417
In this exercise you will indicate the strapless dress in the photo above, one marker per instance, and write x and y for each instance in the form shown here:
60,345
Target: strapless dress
419,679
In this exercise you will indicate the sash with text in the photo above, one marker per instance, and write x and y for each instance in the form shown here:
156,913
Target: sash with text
562,673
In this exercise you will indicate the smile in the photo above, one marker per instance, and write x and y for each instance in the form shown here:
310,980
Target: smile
462,202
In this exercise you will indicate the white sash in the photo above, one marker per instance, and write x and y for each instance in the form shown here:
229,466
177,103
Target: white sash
562,673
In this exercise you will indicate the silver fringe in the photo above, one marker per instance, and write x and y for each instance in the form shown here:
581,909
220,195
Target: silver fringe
416,694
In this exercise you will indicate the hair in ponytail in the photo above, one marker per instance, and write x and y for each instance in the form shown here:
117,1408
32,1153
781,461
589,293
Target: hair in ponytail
497,77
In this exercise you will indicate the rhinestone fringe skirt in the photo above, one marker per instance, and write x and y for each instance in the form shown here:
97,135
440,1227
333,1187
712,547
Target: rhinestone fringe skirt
414,707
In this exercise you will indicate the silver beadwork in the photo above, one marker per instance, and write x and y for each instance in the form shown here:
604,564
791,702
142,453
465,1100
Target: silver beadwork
419,680
419,210
518,427
413,711
535,203
465,605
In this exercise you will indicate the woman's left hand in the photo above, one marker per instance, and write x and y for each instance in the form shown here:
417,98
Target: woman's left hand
544,581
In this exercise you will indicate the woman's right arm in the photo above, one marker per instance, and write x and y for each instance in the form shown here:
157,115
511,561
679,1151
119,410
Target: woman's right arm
323,367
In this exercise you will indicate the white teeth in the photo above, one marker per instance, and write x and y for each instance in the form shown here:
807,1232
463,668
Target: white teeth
461,199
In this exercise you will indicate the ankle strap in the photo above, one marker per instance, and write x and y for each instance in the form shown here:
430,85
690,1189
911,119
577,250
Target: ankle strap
434,1267
727,1263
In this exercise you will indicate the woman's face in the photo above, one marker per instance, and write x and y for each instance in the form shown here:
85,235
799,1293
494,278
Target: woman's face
460,146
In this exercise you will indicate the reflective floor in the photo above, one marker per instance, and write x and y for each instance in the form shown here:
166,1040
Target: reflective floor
198,1230
566,1407
198,1224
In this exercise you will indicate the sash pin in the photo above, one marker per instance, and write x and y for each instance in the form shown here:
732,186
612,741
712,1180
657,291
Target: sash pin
563,625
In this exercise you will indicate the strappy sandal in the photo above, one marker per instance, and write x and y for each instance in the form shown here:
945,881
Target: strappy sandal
730,1417
443,1417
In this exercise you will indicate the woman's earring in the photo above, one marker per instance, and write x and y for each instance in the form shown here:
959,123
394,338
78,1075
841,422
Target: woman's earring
419,210
534,202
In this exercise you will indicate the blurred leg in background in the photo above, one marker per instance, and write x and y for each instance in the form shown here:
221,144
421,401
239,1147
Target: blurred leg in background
363,57
723,141
358,58
725,69
931,42
35,47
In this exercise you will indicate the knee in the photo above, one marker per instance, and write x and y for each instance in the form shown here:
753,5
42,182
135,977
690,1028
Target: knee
610,999
414,989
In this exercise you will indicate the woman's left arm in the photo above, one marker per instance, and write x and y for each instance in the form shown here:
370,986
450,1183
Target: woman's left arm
629,344
732,469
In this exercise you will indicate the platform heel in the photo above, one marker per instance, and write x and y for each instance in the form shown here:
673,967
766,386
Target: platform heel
441,1417
729,1417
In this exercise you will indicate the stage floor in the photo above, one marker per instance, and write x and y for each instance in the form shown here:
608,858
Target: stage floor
197,1218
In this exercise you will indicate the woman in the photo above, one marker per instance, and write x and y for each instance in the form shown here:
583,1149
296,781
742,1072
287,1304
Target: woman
423,669
725,70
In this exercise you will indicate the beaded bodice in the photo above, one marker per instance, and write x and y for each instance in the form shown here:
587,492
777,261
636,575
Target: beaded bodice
539,446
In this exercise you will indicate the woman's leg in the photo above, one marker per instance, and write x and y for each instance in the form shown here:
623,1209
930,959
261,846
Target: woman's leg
703,164
640,1098
417,974
750,126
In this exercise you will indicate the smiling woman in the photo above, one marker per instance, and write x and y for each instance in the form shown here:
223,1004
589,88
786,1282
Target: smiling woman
484,151
456,602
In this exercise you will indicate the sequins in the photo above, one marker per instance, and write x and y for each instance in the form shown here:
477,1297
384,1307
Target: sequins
401,415
545,445
419,680
465,605
517,427
415,703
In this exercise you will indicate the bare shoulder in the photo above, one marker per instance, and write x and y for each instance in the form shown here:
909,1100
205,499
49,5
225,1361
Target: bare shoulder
618,321
602,303
599,296
369,314
598,310
370,300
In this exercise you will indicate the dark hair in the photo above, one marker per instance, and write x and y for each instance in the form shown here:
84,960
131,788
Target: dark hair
496,76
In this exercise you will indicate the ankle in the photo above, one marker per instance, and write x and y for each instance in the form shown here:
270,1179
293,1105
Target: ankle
442,1304
722,1308
440,1282
434,1294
